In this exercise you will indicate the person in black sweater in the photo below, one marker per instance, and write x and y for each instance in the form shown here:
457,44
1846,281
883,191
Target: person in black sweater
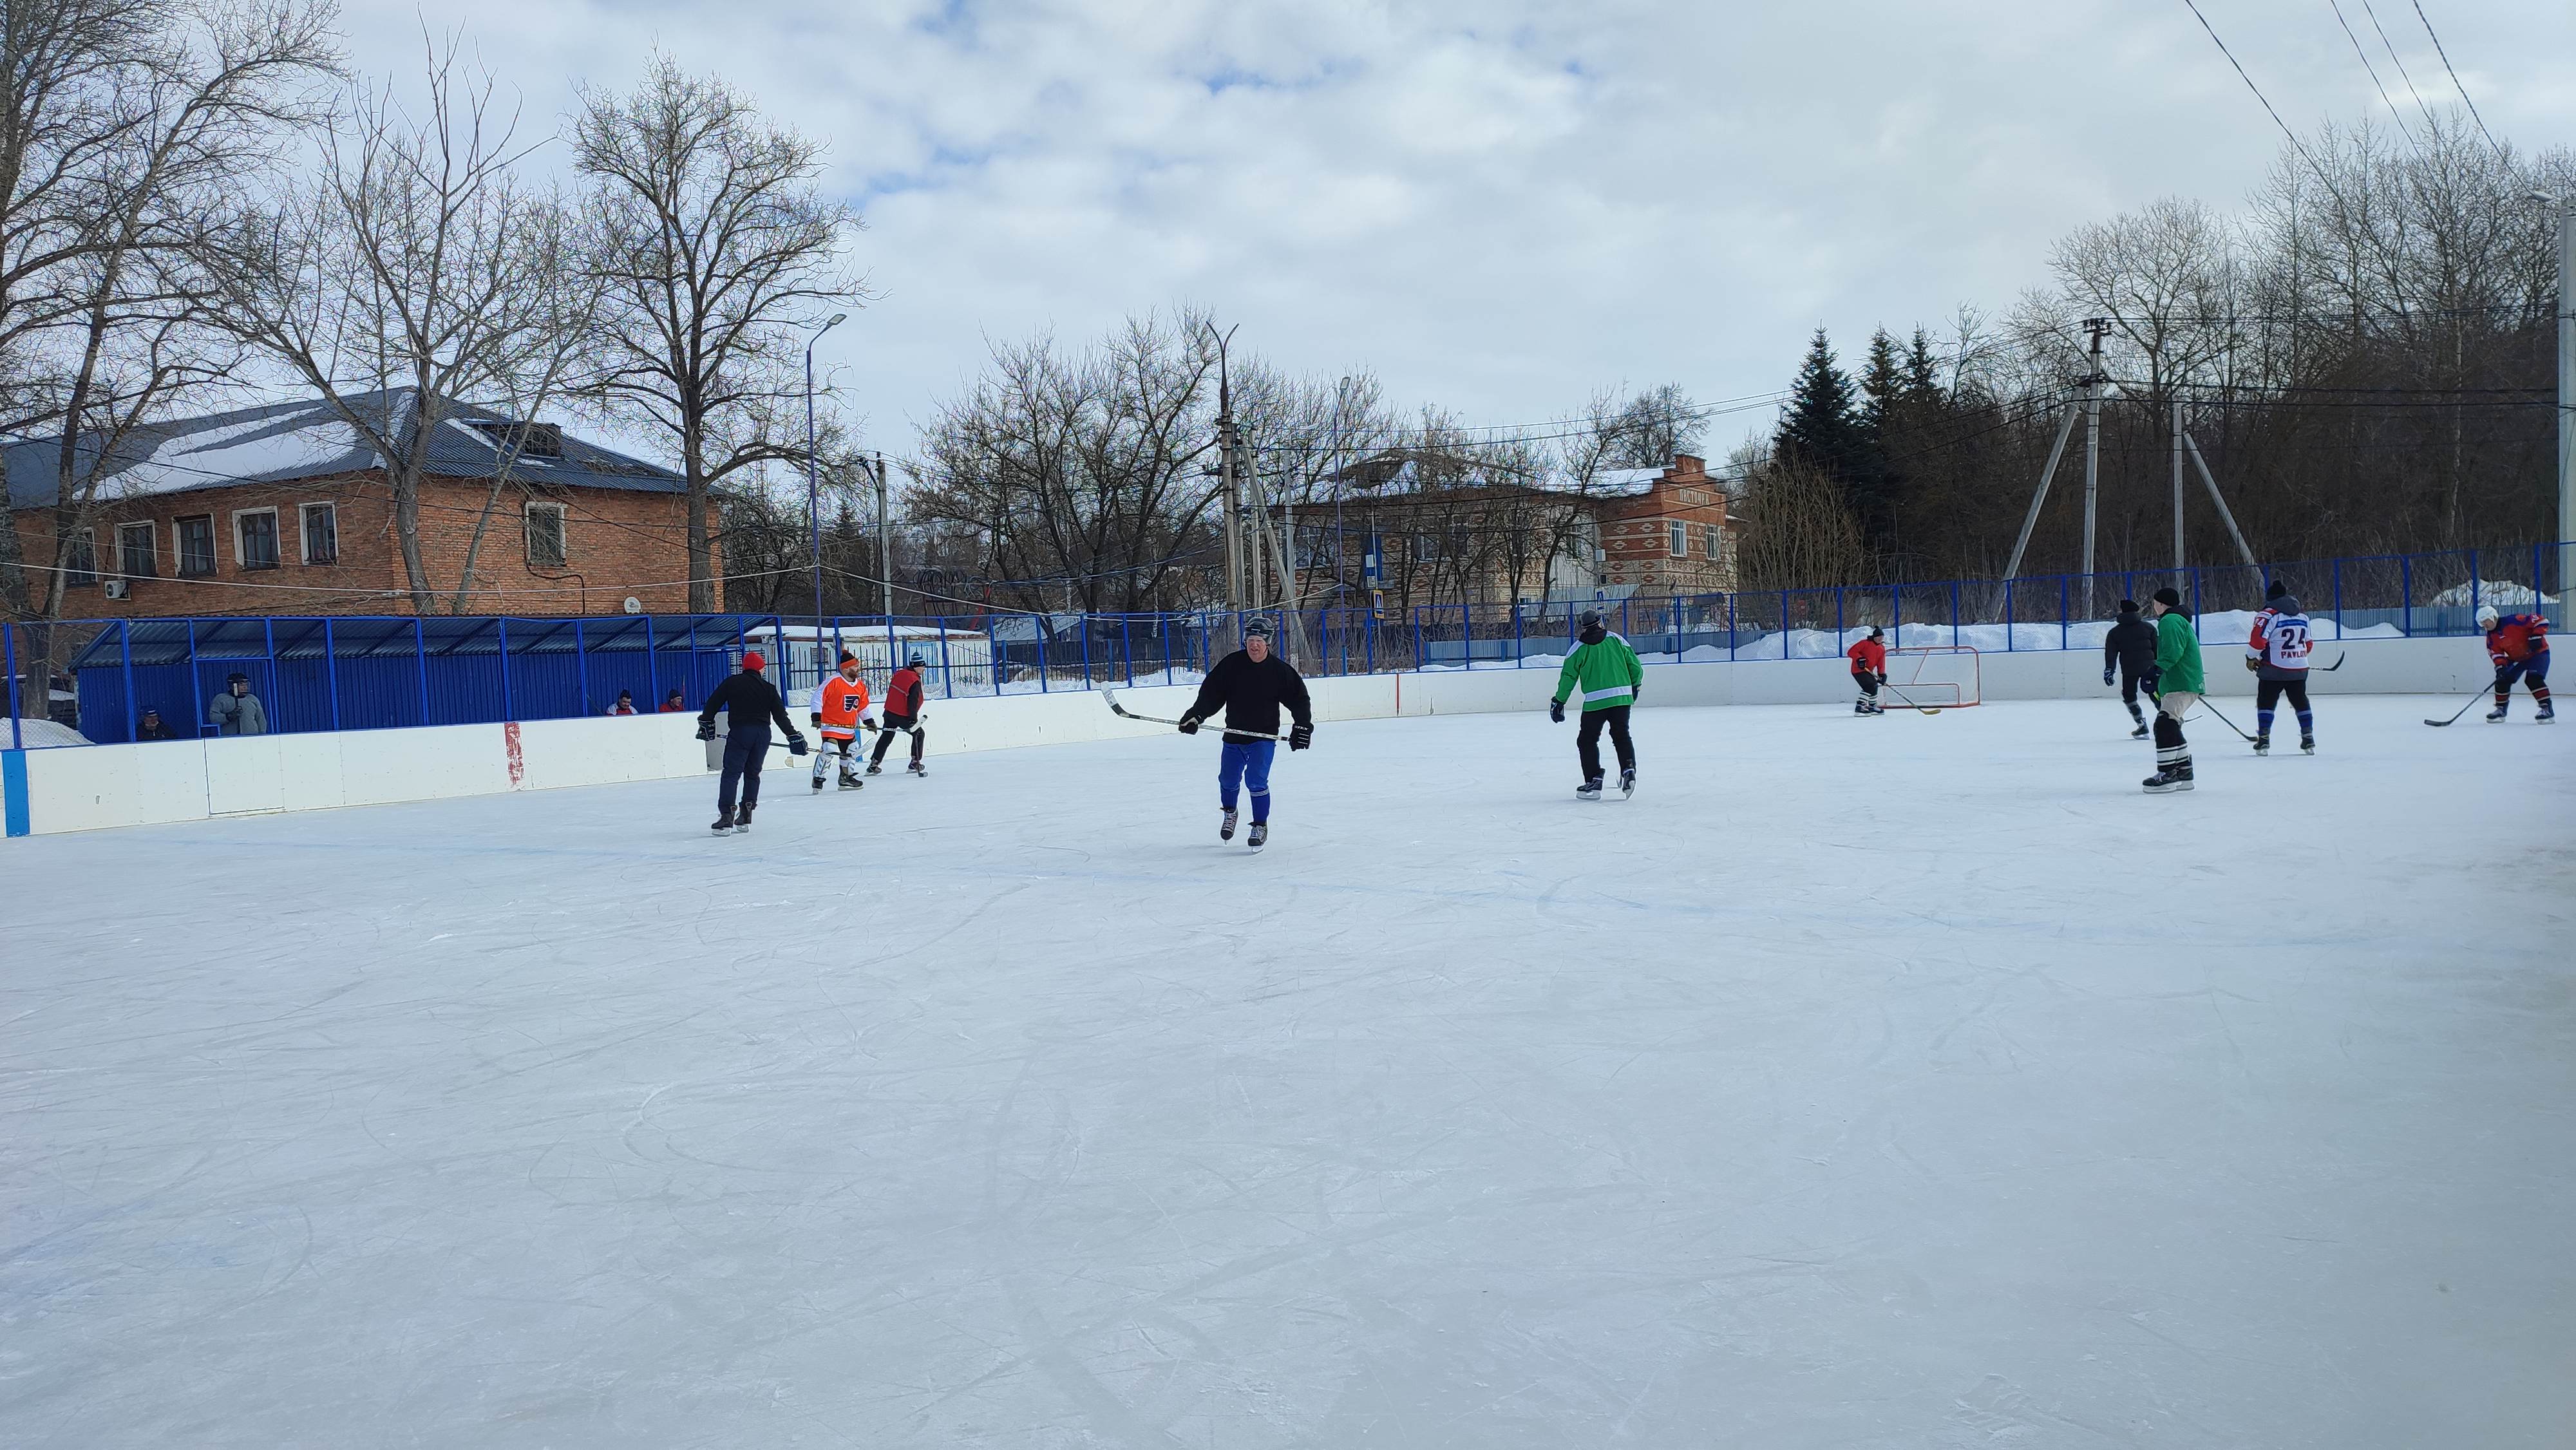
2131,648
1250,685
903,711
750,702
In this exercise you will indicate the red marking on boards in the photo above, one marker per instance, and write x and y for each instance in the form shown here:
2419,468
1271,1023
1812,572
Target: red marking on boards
518,760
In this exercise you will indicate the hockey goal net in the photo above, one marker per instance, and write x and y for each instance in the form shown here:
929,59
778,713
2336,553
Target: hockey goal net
1943,676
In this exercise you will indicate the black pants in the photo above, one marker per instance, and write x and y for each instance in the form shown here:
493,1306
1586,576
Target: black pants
1587,740
2268,693
885,739
746,749
1868,682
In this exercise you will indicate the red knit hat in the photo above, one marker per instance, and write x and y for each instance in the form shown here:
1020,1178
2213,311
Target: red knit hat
753,660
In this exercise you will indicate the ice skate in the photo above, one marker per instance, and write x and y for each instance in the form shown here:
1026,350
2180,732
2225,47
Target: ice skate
2495,715
1590,790
849,780
2307,745
2140,733
2262,744
723,825
1225,827
875,769
1627,783
742,820
1260,835
2548,712
917,768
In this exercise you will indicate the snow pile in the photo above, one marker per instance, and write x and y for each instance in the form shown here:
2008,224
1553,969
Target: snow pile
2503,594
40,734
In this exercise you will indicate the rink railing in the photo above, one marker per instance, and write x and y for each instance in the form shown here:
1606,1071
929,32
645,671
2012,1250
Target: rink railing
352,673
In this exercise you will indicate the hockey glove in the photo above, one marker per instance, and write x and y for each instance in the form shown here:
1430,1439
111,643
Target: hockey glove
2251,664
1189,724
870,721
2106,679
1300,736
817,719
795,743
706,730
1556,712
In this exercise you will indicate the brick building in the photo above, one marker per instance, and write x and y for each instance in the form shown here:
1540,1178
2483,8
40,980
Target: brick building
283,509
1418,529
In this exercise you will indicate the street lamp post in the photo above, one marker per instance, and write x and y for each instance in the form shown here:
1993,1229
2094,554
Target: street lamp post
814,488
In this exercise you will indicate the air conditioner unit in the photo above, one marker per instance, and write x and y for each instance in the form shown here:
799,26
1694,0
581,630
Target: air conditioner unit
115,588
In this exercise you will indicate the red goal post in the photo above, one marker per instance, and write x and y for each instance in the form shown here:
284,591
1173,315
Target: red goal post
1942,676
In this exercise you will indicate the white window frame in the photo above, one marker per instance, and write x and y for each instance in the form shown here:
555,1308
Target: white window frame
152,543
304,536
1677,540
241,556
563,534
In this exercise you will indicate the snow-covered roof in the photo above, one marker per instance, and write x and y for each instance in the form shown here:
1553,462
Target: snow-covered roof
1398,471
282,442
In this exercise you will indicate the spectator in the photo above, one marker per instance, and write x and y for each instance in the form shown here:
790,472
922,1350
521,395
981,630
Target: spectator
671,703
237,711
625,703
154,727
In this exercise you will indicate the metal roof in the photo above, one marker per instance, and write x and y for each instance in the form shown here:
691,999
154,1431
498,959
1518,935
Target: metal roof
169,641
284,442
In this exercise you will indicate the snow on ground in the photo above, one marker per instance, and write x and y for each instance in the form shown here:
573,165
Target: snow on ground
1898,1082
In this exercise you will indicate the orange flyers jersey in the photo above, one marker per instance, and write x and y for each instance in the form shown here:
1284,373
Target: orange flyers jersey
840,702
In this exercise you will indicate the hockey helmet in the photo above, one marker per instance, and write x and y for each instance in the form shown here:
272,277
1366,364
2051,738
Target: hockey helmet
914,661
2486,616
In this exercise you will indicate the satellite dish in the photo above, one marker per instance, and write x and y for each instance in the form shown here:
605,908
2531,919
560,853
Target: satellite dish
634,605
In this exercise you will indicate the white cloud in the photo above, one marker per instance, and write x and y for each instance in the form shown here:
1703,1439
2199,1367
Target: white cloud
1500,205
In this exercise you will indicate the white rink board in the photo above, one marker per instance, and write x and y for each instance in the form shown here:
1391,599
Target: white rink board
1896,1082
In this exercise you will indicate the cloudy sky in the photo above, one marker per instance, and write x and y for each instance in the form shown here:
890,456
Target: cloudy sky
1498,206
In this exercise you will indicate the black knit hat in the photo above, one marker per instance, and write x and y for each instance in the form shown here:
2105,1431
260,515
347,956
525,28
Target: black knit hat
2276,591
2128,606
1590,618
1256,628
2169,598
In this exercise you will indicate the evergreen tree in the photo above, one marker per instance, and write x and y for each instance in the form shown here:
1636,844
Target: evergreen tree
1872,483
1922,373
1820,427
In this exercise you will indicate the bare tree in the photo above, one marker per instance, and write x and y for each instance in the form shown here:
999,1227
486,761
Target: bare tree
418,272
1799,530
714,246
129,130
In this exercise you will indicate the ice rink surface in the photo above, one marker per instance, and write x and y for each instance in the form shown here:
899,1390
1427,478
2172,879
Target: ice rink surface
1905,1082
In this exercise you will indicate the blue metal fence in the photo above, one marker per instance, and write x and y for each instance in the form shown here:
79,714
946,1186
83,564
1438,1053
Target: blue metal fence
371,673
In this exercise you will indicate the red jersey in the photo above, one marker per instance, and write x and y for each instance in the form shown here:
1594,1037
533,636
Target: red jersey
1868,655
2517,637
903,694
838,706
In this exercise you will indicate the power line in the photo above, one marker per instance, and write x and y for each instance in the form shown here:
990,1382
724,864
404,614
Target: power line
2455,77
2337,6
2258,90
2400,62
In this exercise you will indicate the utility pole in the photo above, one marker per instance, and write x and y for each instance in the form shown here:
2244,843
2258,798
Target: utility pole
2093,381
885,541
2566,310
2177,492
1233,484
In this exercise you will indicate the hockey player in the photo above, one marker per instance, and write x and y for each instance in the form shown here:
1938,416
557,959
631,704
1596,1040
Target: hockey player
840,709
2179,678
902,712
750,702
2131,647
1607,671
2277,653
1250,685
1869,670
2519,646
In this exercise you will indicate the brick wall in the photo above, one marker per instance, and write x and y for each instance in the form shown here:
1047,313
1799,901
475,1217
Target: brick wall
1636,534
617,542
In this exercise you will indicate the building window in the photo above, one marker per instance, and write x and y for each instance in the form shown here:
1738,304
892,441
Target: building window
82,567
255,538
1677,540
134,552
196,546
1708,541
546,535
321,534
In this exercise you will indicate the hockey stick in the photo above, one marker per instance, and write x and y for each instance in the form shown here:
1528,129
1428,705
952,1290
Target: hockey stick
2222,719
2464,709
1910,701
1123,713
